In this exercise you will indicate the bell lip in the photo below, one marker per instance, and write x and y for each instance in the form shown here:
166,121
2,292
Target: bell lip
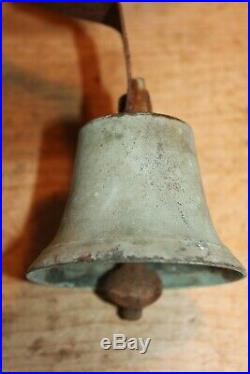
239,271
137,114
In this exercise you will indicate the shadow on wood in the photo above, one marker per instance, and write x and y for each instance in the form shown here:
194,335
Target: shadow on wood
58,145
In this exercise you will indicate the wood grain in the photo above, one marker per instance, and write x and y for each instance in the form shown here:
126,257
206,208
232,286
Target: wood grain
58,73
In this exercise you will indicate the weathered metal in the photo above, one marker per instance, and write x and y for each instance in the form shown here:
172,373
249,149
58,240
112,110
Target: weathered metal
136,218
138,99
136,196
131,287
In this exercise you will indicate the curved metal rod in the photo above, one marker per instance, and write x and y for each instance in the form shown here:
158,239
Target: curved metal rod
137,98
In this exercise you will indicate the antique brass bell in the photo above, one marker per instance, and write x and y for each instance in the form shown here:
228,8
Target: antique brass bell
136,218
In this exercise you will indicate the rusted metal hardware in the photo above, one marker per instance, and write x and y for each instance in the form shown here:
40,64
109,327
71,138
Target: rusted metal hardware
131,287
138,99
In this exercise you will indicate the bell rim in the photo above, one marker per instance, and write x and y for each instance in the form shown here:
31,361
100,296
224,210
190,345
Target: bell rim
232,270
234,274
239,269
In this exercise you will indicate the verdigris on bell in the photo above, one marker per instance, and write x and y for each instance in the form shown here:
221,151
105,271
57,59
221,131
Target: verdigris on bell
136,218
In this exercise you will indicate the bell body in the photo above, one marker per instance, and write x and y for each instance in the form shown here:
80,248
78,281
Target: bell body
136,196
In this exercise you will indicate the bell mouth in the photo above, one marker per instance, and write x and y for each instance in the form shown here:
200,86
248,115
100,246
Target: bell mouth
172,275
